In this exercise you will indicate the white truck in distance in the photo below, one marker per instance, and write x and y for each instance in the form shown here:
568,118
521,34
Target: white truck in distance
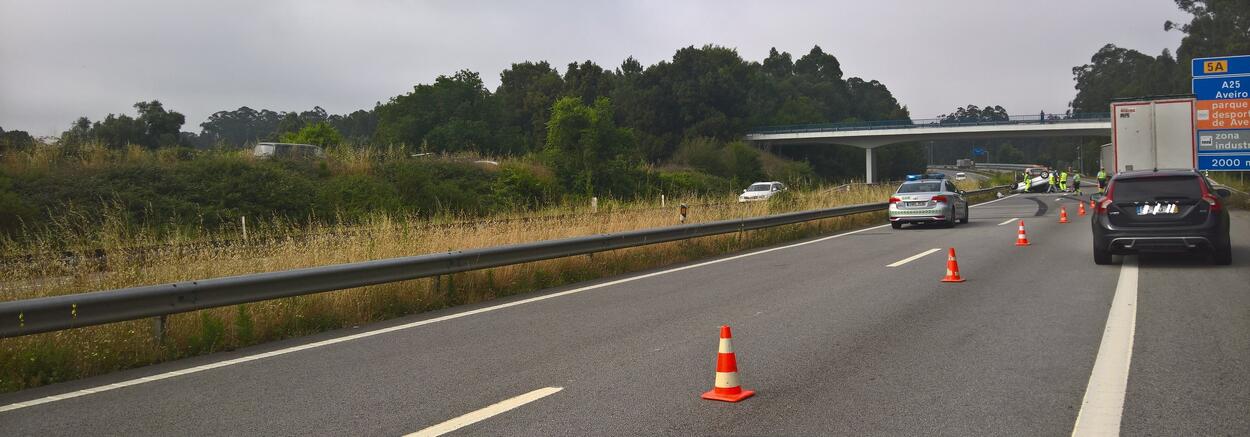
1149,134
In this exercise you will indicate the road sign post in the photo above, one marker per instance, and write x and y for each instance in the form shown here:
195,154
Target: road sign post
1222,112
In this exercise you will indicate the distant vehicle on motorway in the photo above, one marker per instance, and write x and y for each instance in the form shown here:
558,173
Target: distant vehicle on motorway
960,176
761,191
286,150
928,200
1161,211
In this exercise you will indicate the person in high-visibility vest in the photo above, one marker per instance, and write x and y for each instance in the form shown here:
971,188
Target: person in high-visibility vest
1050,182
1063,181
1102,180
1076,182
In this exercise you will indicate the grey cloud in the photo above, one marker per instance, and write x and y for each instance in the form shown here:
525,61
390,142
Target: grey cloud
64,59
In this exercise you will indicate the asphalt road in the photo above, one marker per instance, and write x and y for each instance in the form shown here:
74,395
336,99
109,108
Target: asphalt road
833,341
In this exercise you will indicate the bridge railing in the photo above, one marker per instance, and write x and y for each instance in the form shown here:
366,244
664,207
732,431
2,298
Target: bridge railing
933,122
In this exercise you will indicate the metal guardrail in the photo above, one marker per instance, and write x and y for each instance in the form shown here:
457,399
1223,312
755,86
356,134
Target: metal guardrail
932,122
32,316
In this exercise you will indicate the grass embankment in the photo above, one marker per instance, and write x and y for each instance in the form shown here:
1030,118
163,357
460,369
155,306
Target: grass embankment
1238,182
59,356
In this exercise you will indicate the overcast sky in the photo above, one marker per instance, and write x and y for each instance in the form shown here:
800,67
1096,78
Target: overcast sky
63,59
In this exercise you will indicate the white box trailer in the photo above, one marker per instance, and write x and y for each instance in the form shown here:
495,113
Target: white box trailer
1106,159
1148,134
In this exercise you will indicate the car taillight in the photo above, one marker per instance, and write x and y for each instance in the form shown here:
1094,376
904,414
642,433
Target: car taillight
895,200
1212,199
1101,207
939,199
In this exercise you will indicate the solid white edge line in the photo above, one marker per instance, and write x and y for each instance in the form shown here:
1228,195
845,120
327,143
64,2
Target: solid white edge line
1008,221
485,413
274,353
1103,405
912,258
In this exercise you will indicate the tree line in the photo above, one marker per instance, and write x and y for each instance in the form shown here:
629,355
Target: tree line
701,93
673,127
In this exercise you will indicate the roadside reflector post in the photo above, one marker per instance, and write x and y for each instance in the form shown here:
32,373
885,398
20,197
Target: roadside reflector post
663,203
684,210
594,205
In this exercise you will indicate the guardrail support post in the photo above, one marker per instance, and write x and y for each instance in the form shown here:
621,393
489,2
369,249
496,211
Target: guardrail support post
159,328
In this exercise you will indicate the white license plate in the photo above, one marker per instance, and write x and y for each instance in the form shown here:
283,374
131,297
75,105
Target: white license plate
917,203
1158,209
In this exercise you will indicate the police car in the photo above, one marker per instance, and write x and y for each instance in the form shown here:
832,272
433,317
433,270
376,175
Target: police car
928,198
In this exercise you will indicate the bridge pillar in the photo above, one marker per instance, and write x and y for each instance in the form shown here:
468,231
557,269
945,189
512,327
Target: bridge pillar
869,166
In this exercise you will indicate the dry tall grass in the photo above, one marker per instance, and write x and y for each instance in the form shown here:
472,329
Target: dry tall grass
52,357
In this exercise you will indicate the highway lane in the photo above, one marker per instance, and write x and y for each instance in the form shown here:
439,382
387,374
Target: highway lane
951,174
1191,362
832,339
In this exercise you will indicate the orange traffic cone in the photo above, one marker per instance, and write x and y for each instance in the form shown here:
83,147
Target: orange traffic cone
1063,215
727,388
1091,203
1021,238
1080,209
952,268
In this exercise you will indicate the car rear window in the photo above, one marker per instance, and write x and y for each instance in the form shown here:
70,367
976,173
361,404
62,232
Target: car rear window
1157,188
923,187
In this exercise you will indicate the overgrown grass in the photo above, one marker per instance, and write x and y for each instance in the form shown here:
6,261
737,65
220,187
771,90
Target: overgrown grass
36,360
1239,181
1236,179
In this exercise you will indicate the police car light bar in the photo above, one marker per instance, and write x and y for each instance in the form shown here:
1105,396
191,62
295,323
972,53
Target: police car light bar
916,177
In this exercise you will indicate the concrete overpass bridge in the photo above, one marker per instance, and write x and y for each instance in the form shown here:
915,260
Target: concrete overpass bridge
870,135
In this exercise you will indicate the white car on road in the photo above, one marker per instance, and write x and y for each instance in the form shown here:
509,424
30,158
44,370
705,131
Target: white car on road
761,191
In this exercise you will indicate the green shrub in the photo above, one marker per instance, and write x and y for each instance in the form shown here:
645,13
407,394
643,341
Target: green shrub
244,327
736,161
14,211
355,196
210,337
521,186
317,134
436,187
692,182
